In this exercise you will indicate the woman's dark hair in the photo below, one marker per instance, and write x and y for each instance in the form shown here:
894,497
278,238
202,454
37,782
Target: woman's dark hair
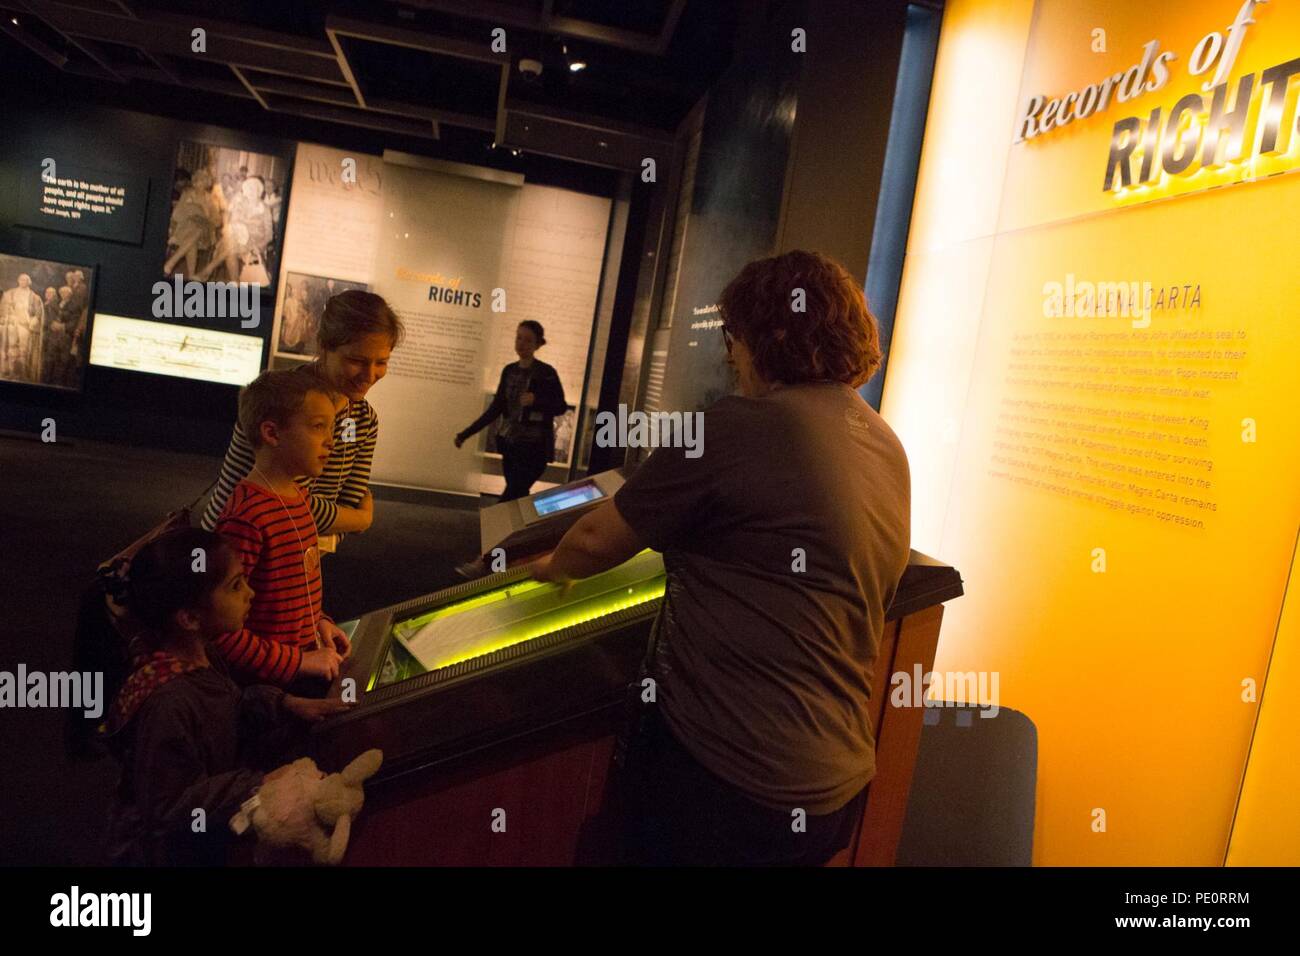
167,576
536,329
353,314
803,318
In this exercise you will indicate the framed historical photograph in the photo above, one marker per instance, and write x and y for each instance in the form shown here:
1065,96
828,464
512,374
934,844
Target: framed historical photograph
226,215
301,310
46,309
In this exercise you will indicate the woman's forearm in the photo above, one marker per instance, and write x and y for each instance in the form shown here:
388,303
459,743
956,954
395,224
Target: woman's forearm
573,561
351,520
600,540
487,418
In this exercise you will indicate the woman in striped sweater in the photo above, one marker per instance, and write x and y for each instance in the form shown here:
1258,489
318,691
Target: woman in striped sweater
358,332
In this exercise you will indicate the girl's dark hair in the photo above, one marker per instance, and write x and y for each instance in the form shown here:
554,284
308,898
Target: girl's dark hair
158,581
352,314
162,579
536,329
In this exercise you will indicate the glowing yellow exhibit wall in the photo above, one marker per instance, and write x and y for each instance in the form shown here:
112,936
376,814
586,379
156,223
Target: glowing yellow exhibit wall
1096,372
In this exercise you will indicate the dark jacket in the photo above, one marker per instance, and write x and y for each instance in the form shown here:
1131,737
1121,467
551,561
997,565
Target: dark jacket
193,745
548,402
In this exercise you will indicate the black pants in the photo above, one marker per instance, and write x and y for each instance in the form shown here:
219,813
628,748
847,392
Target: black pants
522,463
677,813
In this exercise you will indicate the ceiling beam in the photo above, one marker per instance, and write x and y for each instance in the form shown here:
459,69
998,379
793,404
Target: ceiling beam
351,116
344,66
151,75
273,39
116,8
166,66
85,46
414,39
39,47
173,36
336,96
670,25
498,14
249,86
436,116
301,89
587,121
499,128
544,21
609,36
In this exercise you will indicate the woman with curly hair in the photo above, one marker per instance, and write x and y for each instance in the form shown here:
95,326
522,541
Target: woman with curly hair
783,541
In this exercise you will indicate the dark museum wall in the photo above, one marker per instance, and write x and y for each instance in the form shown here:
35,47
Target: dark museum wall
118,405
792,157
735,205
144,409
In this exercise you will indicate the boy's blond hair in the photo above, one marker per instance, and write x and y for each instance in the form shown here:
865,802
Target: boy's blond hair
276,396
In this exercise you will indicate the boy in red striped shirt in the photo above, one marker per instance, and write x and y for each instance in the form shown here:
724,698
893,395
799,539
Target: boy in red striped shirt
289,416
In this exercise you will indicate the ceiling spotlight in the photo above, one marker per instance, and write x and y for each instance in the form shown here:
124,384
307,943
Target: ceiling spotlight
14,21
576,63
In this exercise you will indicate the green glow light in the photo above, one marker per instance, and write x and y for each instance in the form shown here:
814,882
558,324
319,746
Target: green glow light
557,620
400,665
412,625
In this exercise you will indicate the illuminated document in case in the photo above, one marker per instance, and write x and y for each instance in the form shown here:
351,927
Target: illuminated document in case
525,610
178,350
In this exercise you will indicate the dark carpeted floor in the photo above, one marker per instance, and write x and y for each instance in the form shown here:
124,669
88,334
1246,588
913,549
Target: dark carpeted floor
64,507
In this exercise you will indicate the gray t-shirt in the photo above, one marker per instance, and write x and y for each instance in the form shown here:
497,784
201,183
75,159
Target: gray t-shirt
763,670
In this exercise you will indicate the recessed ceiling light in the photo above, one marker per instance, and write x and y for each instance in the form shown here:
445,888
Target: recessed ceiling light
577,65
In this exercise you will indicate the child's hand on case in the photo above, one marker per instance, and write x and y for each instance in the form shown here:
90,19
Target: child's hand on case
322,662
332,636
313,710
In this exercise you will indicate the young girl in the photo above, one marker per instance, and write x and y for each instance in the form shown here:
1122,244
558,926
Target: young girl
187,737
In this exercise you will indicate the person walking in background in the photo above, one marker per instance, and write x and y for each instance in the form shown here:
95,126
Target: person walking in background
528,397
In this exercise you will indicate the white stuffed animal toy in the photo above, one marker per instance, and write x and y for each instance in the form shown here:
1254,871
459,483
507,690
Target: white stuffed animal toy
298,806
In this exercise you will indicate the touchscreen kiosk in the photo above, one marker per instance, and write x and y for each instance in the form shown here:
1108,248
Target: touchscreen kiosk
530,526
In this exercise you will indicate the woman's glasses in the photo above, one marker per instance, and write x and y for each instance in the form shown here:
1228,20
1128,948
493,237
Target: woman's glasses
727,337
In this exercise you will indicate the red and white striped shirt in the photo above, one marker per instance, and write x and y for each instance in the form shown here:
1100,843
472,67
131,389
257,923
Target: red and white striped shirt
275,538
